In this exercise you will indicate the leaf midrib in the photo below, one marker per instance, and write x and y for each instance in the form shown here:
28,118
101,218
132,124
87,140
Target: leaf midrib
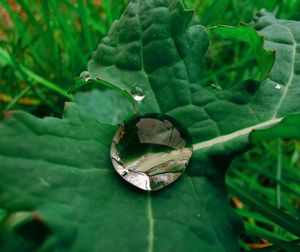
228,137
151,223
291,76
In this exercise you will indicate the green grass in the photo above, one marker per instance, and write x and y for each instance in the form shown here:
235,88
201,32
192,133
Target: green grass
266,179
41,50
43,46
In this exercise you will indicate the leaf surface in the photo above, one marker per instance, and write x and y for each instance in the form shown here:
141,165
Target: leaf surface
60,170
66,178
214,117
107,106
251,105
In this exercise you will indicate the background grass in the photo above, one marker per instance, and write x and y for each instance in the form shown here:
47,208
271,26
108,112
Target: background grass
45,44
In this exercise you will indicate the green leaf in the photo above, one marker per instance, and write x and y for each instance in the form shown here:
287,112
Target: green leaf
153,48
86,80
66,177
251,105
107,106
61,169
214,117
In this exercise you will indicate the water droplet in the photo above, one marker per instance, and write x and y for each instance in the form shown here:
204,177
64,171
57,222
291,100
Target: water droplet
278,86
151,152
138,93
86,76
214,86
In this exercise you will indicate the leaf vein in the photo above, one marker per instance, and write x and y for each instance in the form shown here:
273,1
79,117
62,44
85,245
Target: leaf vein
291,76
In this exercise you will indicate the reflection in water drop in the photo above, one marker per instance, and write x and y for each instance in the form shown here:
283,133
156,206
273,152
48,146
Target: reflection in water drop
278,86
138,93
86,76
151,152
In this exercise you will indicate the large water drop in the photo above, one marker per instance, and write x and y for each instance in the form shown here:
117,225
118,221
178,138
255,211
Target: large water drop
151,152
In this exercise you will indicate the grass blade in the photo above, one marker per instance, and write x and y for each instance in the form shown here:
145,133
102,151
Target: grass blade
265,208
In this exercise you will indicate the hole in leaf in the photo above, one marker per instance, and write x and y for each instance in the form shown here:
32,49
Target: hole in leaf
228,63
236,54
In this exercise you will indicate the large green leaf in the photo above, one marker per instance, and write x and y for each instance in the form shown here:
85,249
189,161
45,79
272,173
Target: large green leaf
59,171
253,105
145,33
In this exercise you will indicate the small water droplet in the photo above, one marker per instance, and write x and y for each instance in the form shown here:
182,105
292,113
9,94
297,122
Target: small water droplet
278,86
86,76
151,152
214,86
138,93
